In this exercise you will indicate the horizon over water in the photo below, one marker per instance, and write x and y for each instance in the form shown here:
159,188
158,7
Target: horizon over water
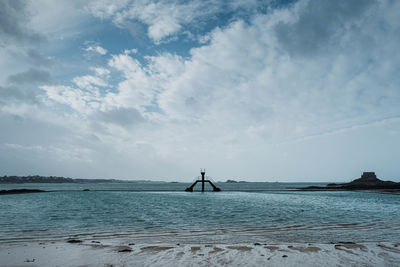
166,214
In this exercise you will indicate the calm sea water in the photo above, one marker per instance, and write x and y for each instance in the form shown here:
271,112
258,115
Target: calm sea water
128,211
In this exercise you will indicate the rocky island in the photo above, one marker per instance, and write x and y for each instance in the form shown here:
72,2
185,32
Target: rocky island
368,181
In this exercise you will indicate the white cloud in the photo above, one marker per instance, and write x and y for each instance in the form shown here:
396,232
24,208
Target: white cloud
58,20
137,89
96,49
89,82
102,72
164,18
256,91
80,100
61,154
244,88
130,51
245,85
106,8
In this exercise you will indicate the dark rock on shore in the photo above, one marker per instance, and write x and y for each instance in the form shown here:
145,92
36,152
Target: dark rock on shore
74,241
367,181
332,184
20,191
124,249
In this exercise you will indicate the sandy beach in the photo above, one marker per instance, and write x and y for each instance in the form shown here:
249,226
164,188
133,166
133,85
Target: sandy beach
108,253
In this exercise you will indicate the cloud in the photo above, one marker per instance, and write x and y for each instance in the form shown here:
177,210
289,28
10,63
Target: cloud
85,97
89,82
102,72
12,93
124,117
82,101
59,20
247,88
138,89
38,59
14,18
313,25
106,8
60,153
244,83
130,51
96,49
31,76
271,87
136,29
164,18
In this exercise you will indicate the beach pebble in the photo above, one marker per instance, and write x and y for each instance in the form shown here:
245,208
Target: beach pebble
195,249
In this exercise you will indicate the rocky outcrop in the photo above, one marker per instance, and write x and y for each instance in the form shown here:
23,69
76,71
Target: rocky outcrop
20,191
367,181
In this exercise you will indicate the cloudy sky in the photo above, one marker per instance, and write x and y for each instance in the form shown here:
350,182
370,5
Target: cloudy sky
255,90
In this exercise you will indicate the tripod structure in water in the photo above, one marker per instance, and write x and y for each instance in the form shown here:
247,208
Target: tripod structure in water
202,181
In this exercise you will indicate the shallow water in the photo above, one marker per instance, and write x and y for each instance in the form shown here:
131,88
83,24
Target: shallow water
223,217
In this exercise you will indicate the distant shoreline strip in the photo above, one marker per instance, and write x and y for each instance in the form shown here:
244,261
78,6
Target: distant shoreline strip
29,191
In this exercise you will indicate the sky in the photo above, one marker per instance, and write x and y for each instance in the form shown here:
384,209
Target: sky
251,90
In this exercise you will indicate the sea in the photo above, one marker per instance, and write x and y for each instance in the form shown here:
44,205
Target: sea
162,212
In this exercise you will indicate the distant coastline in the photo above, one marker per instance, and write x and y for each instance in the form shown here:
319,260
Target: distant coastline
58,180
367,182
234,181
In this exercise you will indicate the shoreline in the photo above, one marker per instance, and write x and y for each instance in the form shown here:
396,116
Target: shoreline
306,189
75,252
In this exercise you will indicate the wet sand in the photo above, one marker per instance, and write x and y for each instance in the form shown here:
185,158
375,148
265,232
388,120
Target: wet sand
109,253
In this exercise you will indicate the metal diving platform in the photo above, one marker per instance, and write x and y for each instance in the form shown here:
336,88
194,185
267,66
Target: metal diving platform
202,181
